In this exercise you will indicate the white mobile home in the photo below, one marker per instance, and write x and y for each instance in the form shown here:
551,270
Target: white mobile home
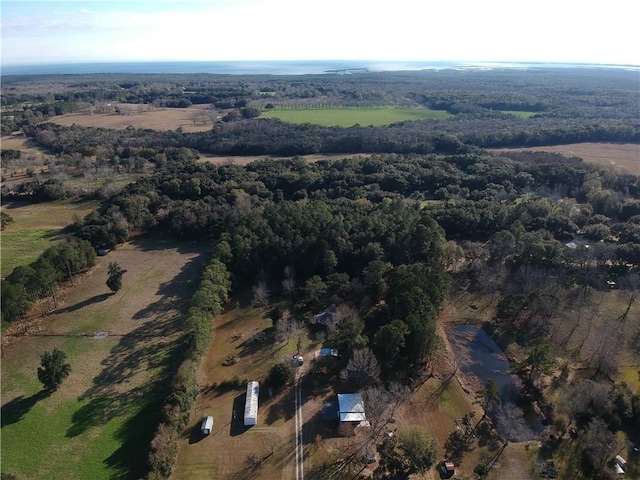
207,425
251,404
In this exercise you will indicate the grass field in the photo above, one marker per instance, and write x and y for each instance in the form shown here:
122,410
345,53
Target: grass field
519,113
347,117
622,157
34,227
98,425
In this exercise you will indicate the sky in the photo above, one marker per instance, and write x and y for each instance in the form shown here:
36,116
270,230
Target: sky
57,31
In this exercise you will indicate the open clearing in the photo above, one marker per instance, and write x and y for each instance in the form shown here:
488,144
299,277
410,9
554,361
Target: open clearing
143,116
34,227
347,117
435,404
98,425
224,453
622,157
245,160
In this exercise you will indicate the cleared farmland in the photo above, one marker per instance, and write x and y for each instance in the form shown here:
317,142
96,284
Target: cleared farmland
622,157
347,117
193,119
99,424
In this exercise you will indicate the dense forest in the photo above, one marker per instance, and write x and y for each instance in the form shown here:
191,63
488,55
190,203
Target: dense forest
566,106
390,234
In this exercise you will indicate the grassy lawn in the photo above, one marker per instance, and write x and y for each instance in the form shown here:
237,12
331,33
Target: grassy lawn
98,425
23,246
347,117
34,227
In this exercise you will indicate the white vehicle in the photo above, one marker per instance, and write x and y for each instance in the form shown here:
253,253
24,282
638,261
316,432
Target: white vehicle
207,425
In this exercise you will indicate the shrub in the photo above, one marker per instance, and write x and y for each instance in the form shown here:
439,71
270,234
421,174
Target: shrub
280,374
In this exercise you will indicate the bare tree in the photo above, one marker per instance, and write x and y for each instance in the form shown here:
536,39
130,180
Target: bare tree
630,286
381,405
511,424
261,294
288,328
584,399
599,443
365,367
289,281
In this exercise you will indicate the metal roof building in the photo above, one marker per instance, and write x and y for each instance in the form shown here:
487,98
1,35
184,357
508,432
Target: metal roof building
351,407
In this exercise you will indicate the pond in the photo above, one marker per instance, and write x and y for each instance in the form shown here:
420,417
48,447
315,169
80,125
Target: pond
480,359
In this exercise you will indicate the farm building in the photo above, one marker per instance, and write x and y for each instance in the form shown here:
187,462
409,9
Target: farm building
326,318
351,407
251,404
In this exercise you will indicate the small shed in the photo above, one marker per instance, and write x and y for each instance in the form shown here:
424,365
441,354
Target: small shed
207,425
326,318
251,404
449,468
351,407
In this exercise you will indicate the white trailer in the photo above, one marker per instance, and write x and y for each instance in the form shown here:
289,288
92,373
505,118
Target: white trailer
207,425
251,404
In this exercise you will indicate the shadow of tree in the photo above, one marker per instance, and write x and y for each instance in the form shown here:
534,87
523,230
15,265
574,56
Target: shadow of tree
13,411
123,386
318,426
282,406
85,303
457,445
256,342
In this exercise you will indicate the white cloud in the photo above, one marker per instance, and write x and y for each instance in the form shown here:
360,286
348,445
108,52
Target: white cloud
333,29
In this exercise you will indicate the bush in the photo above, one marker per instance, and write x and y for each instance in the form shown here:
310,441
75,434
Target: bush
279,375
164,449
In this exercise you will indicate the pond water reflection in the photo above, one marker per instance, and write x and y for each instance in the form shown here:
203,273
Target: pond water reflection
481,359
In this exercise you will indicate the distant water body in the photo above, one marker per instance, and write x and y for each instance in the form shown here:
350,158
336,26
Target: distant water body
300,67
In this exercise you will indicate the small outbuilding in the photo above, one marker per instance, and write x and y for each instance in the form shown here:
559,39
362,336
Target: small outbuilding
251,404
327,317
351,407
447,469
207,425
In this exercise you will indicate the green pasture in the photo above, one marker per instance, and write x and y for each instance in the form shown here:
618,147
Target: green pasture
34,227
519,113
347,117
98,425
23,246
44,444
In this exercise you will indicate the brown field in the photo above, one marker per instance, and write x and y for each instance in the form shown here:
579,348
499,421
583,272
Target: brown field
142,116
20,142
622,157
224,453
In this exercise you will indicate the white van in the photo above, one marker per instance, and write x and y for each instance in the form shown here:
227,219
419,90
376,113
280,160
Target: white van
207,425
